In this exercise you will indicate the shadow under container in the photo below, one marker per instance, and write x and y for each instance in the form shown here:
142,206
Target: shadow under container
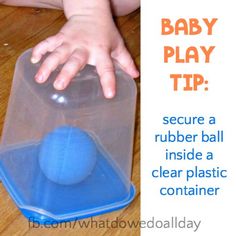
67,155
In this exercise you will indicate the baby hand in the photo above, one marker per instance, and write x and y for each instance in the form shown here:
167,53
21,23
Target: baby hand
84,39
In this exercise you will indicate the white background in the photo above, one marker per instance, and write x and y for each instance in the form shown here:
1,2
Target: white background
158,99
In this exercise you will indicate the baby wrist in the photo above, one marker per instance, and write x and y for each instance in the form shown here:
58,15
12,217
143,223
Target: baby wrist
86,8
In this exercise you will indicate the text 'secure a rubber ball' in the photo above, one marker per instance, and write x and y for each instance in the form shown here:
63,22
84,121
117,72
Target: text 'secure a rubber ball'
67,155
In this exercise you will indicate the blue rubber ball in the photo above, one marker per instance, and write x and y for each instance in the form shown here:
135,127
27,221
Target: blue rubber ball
67,155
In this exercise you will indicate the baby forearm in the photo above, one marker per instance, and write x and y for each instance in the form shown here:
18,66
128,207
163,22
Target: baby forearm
71,7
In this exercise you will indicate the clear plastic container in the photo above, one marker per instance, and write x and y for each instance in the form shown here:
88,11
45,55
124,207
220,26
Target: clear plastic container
67,155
